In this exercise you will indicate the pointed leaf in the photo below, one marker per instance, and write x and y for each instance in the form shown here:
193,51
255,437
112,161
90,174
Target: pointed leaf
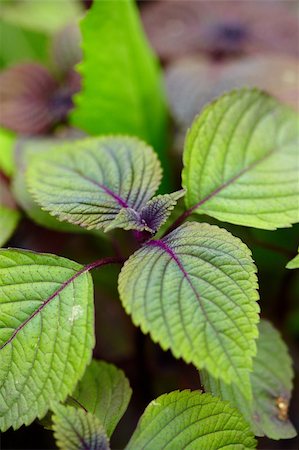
122,90
46,332
89,181
241,161
294,263
194,291
104,391
151,216
271,382
191,420
76,429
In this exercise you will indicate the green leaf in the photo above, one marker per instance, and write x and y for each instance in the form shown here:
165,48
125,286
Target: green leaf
88,182
151,216
271,382
76,429
46,332
194,291
294,263
9,219
122,90
104,391
7,140
241,161
191,420
26,149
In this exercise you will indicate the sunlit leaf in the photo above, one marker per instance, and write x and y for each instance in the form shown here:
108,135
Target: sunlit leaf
46,332
191,421
122,90
194,291
241,161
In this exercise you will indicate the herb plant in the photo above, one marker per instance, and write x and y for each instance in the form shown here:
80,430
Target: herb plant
191,285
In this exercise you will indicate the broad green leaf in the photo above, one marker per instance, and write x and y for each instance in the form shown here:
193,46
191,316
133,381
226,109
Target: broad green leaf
191,420
241,161
7,140
25,151
271,382
88,182
46,332
9,219
77,429
151,216
294,263
122,90
104,391
194,291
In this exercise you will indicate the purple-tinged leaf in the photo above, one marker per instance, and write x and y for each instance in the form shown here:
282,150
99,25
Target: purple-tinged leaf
150,217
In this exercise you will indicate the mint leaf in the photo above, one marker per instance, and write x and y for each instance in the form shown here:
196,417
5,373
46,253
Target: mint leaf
194,291
46,332
271,381
241,161
76,429
151,216
191,420
104,391
122,91
294,263
88,182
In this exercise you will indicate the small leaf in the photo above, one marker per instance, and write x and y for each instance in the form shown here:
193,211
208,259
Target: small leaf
75,429
194,291
294,263
191,420
104,391
271,382
151,216
122,90
88,182
241,161
46,332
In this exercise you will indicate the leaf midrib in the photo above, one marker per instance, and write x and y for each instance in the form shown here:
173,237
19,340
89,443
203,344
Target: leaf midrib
44,304
231,180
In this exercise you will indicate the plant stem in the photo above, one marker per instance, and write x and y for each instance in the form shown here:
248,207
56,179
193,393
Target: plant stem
103,262
180,220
